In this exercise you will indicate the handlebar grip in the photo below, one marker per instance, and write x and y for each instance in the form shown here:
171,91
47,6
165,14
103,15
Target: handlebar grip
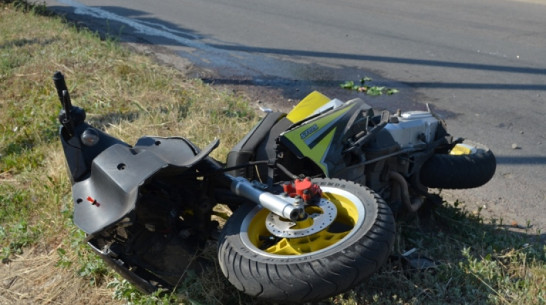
62,90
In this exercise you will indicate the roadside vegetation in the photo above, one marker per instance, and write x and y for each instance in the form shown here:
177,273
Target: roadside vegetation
365,87
448,256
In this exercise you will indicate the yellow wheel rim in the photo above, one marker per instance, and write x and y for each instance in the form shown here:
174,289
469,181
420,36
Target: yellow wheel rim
349,214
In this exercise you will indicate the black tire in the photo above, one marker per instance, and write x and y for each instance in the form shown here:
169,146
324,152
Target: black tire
315,274
447,171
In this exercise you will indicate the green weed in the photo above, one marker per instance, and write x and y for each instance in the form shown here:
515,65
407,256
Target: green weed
366,88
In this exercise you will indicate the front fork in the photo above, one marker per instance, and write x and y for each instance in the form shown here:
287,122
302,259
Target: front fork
286,205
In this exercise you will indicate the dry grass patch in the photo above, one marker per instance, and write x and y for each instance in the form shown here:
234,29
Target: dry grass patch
34,278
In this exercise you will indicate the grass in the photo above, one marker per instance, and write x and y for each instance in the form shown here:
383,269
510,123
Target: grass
44,259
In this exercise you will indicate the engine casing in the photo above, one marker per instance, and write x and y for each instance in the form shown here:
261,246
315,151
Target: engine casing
413,128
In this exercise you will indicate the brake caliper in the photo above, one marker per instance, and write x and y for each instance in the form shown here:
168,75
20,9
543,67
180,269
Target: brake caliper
308,191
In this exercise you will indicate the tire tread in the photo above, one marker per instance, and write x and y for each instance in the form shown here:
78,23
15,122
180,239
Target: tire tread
459,172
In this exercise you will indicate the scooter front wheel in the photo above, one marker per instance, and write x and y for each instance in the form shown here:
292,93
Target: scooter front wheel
303,262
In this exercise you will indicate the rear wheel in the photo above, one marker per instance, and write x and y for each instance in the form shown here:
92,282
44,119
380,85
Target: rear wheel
347,237
466,165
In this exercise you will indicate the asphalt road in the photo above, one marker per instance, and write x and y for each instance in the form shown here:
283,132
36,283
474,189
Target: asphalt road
480,64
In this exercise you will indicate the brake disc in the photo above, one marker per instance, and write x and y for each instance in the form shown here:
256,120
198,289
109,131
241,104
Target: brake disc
282,227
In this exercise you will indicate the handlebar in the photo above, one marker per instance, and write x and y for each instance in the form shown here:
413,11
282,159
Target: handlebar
70,116
62,91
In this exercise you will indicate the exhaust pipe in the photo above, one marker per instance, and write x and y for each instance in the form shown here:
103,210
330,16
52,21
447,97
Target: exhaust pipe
411,206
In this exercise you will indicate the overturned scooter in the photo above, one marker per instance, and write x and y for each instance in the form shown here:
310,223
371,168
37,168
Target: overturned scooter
146,210
397,156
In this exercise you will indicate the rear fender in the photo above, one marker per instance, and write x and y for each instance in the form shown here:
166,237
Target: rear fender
111,191
79,156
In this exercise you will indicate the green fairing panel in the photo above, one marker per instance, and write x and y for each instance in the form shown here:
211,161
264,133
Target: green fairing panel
321,139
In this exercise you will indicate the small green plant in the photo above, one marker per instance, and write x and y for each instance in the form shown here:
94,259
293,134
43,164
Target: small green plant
64,260
123,290
368,89
16,238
